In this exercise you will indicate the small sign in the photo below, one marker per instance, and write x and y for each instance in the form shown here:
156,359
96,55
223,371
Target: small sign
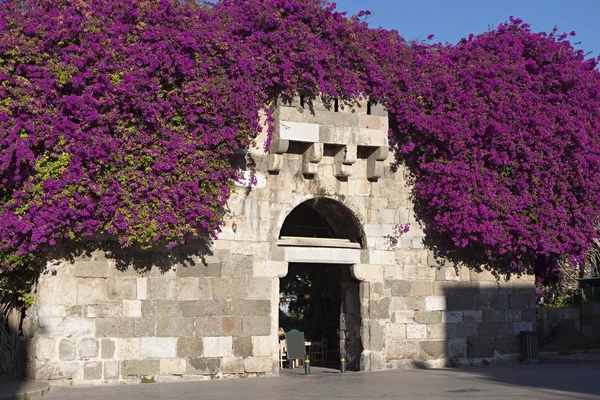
294,341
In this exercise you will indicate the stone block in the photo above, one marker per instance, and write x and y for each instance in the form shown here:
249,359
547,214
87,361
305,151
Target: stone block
395,331
128,349
433,349
132,308
256,326
459,303
435,303
50,311
111,370
421,288
67,351
90,290
161,288
173,366
258,364
144,327
55,290
161,308
140,367
528,315
380,309
93,269
142,288
262,346
122,289
218,326
522,301
242,308
493,316
572,313
499,302
203,366
416,331
260,289
188,288
45,371
399,288
452,316
428,317
480,347
175,327
92,370
45,349
471,316
199,270
512,315
243,346
190,348
88,348
522,326
107,349
402,350
114,327
491,329
482,302
229,288
205,308
157,348
110,309
456,348
299,132
218,346
507,345
233,365
441,331
466,330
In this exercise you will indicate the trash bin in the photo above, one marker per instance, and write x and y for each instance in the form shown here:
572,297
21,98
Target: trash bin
530,347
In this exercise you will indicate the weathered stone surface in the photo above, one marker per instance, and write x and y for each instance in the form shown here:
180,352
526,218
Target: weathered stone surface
229,288
478,347
67,351
466,330
471,316
380,309
428,317
122,289
144,327
114,327
416,331
108,349
399,288
132,308
421,288
190,348
507,345
203,366
218,346
459,303
402,349
218,326
435,303
258,364
128,349
262,346
233,365
175,327
111,309
492,329
456,348
111,370
242,346
88,348
172,366
256,326
90,290
92,370
140,367
203,308
200,270
499,302
260,288
493,316
157,348
433,350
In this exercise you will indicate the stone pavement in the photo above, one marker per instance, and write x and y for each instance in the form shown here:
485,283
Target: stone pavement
543,381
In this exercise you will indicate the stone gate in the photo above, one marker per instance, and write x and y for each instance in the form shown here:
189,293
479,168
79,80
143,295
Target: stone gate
210,310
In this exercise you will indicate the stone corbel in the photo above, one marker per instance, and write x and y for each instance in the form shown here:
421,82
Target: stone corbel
311,159
375,163
344,160
276,150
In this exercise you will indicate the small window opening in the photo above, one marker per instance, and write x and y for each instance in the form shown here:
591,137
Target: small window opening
336,105
302,101
368,108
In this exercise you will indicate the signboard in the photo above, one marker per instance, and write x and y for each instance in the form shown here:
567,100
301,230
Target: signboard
296,349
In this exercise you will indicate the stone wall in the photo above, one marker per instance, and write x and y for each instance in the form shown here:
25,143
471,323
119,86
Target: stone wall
205,311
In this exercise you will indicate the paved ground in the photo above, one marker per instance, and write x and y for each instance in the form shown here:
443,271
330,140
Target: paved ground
19,390
544,381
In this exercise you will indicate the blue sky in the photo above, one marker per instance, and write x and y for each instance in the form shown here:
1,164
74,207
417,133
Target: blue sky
450,20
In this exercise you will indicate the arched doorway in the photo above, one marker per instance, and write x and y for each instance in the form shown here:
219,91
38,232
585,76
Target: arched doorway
319,295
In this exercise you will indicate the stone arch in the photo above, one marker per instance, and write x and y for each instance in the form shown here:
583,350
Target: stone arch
323,217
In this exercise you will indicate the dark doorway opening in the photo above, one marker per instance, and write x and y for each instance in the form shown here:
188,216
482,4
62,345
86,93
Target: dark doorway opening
323,301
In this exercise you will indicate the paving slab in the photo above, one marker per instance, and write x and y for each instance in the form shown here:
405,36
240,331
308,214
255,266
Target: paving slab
541,381
22,390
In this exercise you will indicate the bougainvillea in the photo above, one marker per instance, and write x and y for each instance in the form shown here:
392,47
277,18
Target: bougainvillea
123,118
502,135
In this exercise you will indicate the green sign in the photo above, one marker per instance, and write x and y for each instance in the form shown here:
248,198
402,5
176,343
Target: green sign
294,341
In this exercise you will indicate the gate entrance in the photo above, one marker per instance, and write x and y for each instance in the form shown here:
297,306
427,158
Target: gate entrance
322,298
